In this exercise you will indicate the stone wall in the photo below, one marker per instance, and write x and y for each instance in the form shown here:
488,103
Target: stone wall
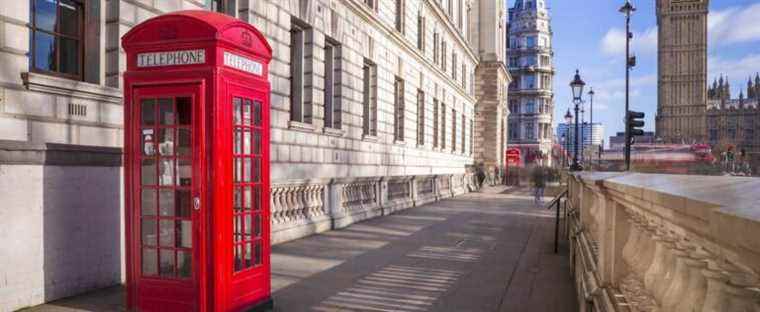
647,242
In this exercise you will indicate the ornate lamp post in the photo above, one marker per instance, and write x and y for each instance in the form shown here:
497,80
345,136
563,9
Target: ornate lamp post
568,120
627,9
577,85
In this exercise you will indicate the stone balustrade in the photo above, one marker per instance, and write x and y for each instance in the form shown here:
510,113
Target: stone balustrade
648,242
303,207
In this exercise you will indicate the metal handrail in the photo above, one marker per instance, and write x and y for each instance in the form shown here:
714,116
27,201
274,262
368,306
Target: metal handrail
556,202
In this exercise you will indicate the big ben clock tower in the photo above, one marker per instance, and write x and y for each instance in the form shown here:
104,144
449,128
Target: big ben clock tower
682,70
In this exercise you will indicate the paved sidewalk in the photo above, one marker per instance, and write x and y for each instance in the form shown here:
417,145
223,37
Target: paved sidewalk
489,251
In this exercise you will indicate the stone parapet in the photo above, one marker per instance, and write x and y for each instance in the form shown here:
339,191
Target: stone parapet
649,242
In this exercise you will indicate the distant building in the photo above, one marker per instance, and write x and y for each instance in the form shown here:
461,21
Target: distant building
531,99
734,122
591,135
617,142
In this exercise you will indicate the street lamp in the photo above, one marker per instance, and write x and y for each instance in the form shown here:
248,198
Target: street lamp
568,120
577,85
627,9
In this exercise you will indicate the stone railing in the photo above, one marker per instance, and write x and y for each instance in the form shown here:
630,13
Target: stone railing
647,242
457,185
303,207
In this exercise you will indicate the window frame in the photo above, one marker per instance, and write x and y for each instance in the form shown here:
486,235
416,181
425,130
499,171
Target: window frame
369,100
332,84
57,35
398,109
420,117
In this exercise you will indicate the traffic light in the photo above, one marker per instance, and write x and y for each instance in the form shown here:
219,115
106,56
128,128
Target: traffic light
635,123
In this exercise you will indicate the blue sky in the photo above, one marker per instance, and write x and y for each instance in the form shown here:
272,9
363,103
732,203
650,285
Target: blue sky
589,35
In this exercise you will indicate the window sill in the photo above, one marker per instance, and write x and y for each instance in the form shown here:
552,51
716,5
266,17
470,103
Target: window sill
399,142
334,132
300,126
369,138
68,87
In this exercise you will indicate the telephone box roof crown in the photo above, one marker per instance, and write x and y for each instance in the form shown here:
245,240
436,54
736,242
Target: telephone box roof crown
194,25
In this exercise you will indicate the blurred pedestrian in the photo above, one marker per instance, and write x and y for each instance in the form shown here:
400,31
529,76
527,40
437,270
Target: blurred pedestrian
539,183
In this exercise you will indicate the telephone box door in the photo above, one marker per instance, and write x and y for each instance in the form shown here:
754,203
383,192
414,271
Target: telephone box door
168,205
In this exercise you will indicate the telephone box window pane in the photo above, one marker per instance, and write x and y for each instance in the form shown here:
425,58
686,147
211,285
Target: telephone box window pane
247,142
166,203
184,202
247,112
166,112
256,142
166,142
248,262
256,197
166,265
185,172
166,172
69,18
45,51
166,238
45,16
238,199
238,230
257,225
183,147
148,108
238,111
247,198
148,142
69,56
246,171
238,169
257,252
238,141
248,227
256,169
184,264
257,113
149,260
148,172
185,233
148,227
184,111
238,257
148,204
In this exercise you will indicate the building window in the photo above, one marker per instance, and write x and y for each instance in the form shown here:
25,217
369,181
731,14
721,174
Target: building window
299,110
398,111
228,7
443,56
400,15
464,127
453,130
443,126
450,8
435,122
435,48
530,131
531,41
529,81
333,84
472,135
57,37
420,117
421,33
530,107
369,114
454,66
464,76
371,3
460,20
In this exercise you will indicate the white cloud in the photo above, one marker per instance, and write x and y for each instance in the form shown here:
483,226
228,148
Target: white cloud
613,43
737,70
734,25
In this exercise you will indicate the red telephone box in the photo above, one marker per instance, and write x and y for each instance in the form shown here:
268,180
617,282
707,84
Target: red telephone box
196,116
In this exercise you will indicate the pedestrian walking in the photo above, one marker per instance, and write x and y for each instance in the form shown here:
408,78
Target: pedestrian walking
539,183
481,176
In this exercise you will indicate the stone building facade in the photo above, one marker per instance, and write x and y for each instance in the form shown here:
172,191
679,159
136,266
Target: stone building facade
531,100
418,93
735,122
682,70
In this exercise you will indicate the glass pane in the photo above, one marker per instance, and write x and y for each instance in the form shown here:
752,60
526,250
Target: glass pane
256,197
166,229
148,108
238,111
256,169
247,198
237,197
238,259
166,264
166,172
149,260
148,228
166,142
237,230
257,225
256,142
44,51
238,169
69,56
247,112
45,15
148,204
185,233
247,170
247,142
184,147
148,171
184,264
148,142
184,172
166,112
184,203
184,110
257,113
166,203
257,252
238,141
69,18
248,227
247,259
